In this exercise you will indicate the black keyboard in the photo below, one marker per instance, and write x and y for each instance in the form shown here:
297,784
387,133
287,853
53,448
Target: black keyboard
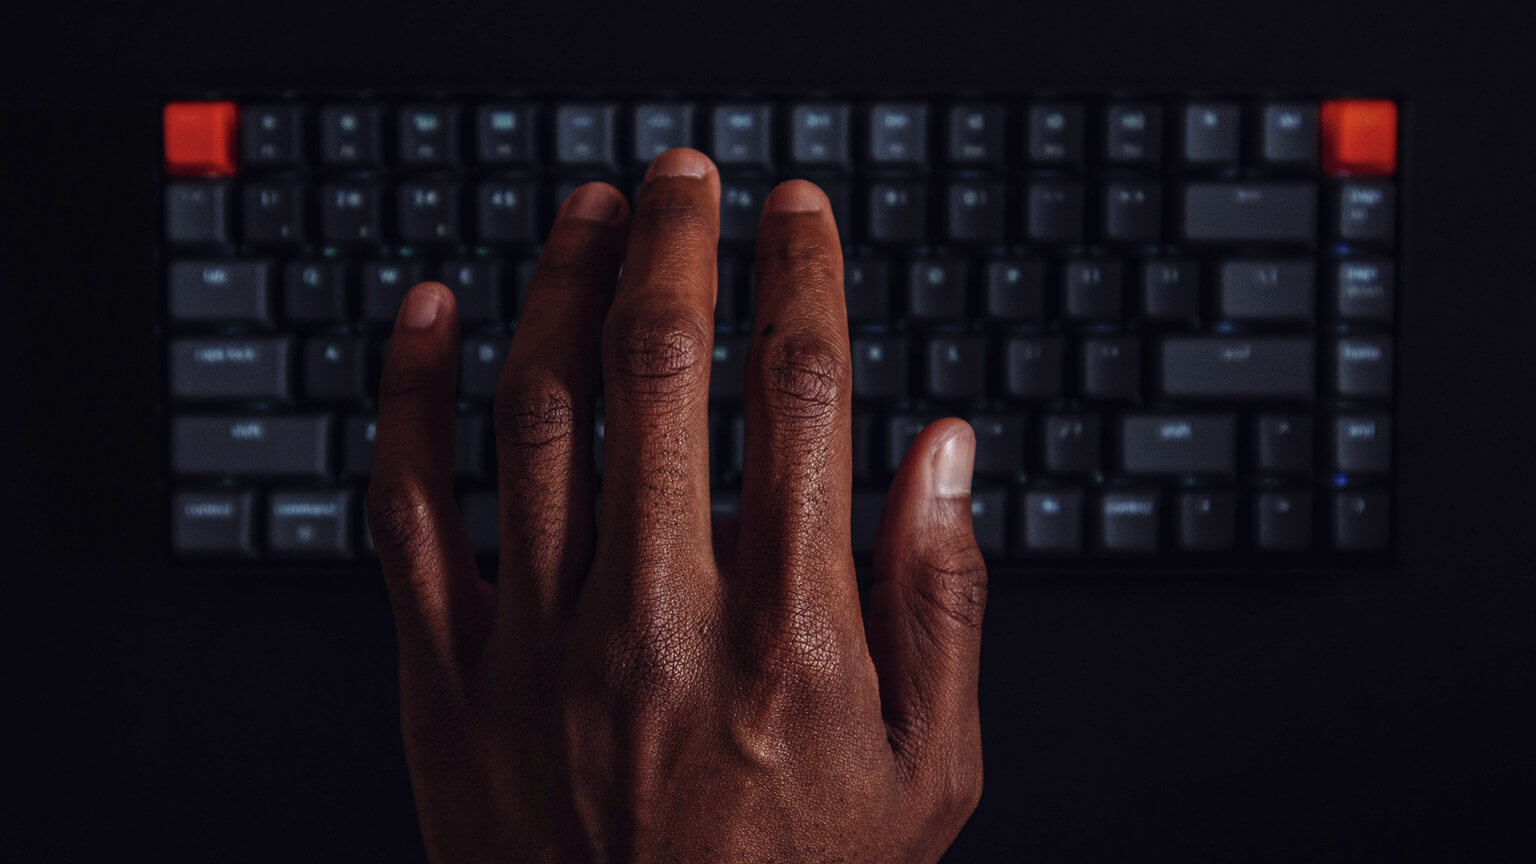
1169,319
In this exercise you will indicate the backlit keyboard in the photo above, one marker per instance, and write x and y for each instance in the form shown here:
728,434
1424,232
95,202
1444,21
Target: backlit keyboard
1169,319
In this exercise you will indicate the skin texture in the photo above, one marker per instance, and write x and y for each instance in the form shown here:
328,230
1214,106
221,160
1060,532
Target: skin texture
660,686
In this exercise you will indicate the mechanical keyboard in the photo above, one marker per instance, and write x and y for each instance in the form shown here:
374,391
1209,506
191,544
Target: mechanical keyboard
1169,318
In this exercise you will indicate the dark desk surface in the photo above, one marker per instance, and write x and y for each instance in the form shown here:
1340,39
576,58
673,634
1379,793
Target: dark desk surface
1287,717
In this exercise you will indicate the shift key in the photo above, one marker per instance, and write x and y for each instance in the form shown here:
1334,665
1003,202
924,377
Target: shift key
1217,367
1258,212
252,445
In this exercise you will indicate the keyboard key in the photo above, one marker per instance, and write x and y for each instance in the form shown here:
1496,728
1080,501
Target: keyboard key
1250,212
210,290
1055,134
1362,443
1133,133
741,204
505,134
957,367
351,211
213,524
1207,367
1091,289
1212,133
357,436
1283,443
429,135
1170,289
819,134
879,367
867,288
350,135
1283,521
1129,521
865,520
936,289
481,522
1359,137
335,369
199,138
274,212
1032,367
999,443
1290,134
975,212
659,127
505,211
476,285
741,135
1267,289
254,370
976,135
730,273
1015,289
898,134
1179,444
1071,443
1133,211
728,371
480,363
898,212
1364,211
197,212
1051,521
1363,367
315,291
1207,521
310,524
1363,289
384,286
989,521
429,211
1054,212
1111,368
584,136
252,444
900,432
1360,521
471,439
272,134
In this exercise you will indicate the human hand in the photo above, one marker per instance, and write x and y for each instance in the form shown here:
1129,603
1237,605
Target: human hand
656,685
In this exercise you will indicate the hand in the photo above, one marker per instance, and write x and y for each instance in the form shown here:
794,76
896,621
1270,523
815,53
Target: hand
658,686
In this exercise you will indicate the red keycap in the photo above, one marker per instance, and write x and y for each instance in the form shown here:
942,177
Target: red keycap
200,139
1359,137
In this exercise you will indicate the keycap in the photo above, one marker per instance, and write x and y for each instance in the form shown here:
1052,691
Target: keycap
1032,367
255,370
728,369
975,211
879,367
429,135
1091,288
479,512
1133,211
1363,289
252,444
274,212
901,430
272,134
658,127
1015,288
730,272
866,288
384,285
1183,443
1364,211
1129,521
741,135
1289,133
1218,367
898,134
315,291
1282,212
976,134
1111,368
1054,211
957,367
199,138
898,212
1212,133
1050,522
864,526
936,289
999,443
1282,521
197,212
470,441
989,521
214,523
1133,133
1361,521
351,135
863,445
310,524
505,134
1359,137
480,361
504,211
1266,289
1070,443
212,290
335,368
351,211
1362,443
357,436
819,134
1362,367
1207,521
429,211
1283,443
1055,133
1170,289
476,286
584,135
741,204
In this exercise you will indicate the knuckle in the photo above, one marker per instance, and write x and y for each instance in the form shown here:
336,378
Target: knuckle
961,789
954,585
397,512
657,355
805,259
533,415
647,666
806,377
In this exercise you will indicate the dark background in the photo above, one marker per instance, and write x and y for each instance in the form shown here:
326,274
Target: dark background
1282,716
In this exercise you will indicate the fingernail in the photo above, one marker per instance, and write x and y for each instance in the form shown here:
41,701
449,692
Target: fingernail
952,463
421,307
595,202
796,196
679,162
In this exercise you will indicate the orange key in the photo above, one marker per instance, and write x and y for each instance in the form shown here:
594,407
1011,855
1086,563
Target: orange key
200,139
1359,137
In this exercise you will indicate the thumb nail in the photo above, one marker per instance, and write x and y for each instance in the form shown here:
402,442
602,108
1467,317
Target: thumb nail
952,463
